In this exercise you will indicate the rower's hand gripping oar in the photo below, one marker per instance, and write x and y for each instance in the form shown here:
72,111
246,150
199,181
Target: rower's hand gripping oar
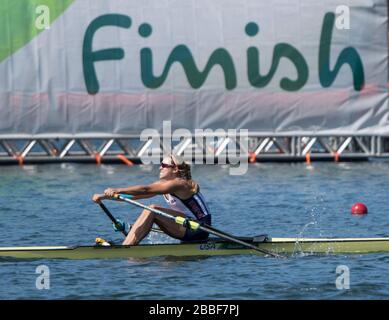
195,225
118,225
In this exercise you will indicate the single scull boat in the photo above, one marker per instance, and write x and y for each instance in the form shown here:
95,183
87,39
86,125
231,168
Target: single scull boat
211,247
223,244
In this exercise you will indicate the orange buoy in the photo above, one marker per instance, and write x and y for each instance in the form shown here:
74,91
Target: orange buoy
20,160
308,158
98,158
358,208
125,160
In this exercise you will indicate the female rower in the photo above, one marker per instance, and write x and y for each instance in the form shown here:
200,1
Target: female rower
180,192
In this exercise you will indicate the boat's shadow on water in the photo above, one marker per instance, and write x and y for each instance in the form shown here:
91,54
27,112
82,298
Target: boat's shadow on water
167,259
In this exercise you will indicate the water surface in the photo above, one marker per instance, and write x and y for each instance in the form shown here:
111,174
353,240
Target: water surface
51,205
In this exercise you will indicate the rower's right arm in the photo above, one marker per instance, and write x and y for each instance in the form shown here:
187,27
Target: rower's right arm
148,191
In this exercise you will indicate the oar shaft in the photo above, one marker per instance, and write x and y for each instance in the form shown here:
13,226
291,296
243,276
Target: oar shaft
109,214
195,225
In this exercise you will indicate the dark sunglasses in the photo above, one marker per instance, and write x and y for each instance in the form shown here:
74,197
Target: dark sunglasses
164,165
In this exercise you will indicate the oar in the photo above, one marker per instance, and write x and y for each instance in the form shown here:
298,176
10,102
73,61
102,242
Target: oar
117,223
195,225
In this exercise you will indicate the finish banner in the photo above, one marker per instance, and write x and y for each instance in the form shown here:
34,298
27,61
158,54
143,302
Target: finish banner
74,67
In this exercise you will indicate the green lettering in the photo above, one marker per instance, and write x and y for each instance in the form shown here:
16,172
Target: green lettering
348,55
182,55
89,57
280,50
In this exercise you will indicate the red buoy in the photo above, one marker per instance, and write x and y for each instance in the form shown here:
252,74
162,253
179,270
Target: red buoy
358,208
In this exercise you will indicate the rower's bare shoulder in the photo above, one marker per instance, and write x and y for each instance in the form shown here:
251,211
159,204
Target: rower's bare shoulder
185,189
184,184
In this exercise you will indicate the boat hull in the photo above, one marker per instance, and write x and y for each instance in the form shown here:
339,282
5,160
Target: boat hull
207,248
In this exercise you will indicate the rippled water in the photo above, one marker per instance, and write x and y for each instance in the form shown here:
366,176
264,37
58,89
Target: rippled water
50,205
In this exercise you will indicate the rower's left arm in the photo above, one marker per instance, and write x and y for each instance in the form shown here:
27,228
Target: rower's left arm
148,191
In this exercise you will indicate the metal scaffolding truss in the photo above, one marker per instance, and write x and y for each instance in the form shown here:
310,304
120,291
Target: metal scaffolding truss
130,149
328,148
